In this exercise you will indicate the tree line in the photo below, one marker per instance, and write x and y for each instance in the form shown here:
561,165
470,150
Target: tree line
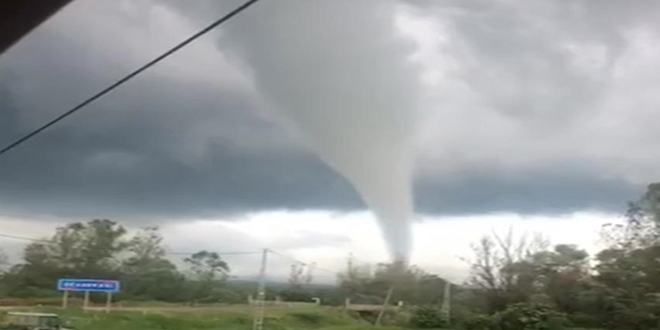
618,288
513,279
101,249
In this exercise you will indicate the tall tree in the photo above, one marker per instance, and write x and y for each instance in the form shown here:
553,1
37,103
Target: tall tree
209,272
75,250
555,277
410,284
4,261
501,271
353,282
80,248
4,264
146,271
207,266
296,278
628,272
296,289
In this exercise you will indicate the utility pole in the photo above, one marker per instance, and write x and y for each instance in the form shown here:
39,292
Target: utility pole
386,304
445,311
260,303
86,301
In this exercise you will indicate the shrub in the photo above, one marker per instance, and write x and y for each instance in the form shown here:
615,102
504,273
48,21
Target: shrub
631,317
308,317
529,317
427,318
477,322
582,320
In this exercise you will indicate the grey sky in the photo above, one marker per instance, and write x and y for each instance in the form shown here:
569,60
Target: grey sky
543,107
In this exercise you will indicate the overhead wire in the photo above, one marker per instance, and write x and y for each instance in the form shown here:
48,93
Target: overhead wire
219,253
128,77
45,241
316,267
24,238
280,254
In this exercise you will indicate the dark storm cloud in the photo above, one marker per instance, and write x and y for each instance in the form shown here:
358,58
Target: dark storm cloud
137,169
524,193
157,147
175,145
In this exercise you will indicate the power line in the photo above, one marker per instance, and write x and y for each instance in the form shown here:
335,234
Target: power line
327,270
219,253
316,267
287,257
36,240
24,238
130,76
173,253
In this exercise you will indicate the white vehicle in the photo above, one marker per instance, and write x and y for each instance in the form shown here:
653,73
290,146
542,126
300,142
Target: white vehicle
32,321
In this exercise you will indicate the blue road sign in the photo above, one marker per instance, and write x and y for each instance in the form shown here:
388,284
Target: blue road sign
74,284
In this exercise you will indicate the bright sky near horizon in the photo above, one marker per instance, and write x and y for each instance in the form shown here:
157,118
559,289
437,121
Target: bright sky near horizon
441,244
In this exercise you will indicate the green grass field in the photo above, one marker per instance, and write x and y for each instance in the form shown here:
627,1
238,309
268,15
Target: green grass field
230,319
226,318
